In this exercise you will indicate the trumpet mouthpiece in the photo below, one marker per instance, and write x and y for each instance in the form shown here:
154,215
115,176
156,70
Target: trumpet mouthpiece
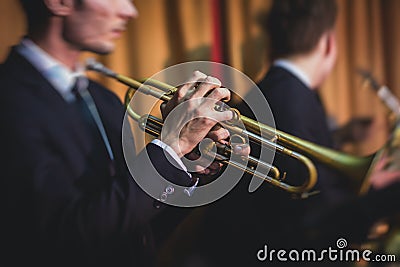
92,64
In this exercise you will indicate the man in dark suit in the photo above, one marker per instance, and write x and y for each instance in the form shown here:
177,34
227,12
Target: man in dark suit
67,197
303,52
303,49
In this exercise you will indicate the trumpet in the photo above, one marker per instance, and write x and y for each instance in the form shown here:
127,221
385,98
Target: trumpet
286,144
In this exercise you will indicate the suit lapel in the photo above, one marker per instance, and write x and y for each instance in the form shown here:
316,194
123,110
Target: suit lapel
65,116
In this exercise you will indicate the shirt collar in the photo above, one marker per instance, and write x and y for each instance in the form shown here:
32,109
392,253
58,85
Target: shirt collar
56,73
292,68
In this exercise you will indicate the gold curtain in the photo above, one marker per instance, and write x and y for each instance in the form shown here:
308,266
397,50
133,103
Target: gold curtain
174,31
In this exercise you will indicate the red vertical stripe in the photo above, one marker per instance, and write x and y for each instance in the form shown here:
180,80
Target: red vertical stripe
216,46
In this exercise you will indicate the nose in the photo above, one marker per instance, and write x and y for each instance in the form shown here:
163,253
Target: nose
127,10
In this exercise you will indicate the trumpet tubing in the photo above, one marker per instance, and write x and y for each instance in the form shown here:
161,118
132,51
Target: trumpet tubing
354,167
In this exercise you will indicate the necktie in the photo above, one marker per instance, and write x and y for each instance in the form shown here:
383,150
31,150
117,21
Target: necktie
89,110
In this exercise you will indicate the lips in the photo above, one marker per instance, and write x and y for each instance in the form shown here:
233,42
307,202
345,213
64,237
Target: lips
118,31
121,27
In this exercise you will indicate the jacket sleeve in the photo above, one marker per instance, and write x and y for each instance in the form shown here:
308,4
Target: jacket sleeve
47,196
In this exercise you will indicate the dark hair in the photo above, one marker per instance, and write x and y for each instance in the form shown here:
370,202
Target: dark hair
35,10
295,26
37,13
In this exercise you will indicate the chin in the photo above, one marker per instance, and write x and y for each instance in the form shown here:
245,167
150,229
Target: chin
102,49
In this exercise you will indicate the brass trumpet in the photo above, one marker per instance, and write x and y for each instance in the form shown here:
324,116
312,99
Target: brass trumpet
286,144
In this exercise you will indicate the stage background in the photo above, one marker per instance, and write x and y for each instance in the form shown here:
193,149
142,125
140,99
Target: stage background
168,32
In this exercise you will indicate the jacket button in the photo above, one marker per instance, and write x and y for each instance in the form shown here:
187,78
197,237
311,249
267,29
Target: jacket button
169,190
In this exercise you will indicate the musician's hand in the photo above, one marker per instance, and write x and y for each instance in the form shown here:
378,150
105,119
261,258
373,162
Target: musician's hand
190,114
221,135
381,177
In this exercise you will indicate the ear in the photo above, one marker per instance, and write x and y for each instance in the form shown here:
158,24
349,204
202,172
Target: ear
59,7
330,43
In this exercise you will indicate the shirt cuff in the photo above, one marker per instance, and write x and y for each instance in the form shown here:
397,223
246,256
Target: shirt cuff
172,153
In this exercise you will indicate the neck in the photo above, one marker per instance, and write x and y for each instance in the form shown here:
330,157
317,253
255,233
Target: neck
310,64
50,39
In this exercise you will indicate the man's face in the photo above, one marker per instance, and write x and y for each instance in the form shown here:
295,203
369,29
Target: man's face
94,25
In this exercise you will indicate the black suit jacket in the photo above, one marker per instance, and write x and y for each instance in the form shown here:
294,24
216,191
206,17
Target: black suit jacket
297,110
61,205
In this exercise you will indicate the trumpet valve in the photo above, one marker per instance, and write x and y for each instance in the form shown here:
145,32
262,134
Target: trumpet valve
235,115
274,138
283,177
